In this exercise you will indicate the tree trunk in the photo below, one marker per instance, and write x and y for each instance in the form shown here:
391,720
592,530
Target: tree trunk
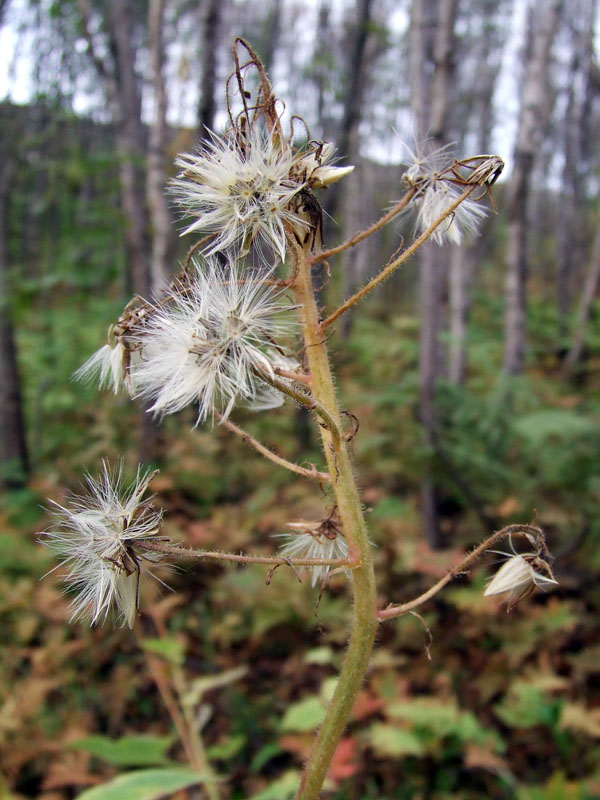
542,25
131,142
432,42
14,462
571,208
483,61
123,91
156,169
272,29
588,294
321,73
461,268
207,107
349,203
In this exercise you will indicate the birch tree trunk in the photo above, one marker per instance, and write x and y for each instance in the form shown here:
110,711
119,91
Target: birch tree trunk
482,65
272,28
542,25
123,92
575,144
156,168
321,73
432,41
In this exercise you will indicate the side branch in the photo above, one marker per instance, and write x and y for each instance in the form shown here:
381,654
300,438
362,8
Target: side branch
300,377
304,400
361,235
282,462
217,555
393,265
522,531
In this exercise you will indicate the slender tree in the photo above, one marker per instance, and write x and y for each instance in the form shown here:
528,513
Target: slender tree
575,145
123,88
123,91
589,292
479,66
350,203
14,462
207,106
542,23
431,70
156,167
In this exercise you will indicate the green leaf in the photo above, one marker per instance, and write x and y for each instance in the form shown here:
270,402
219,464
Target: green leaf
328,688
171,650
442,718
303,716
319,655
435,715
128,751
227,749
264,755
527,706
389,741
145,784
283,789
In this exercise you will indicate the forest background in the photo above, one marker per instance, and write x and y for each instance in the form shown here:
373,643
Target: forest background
473,373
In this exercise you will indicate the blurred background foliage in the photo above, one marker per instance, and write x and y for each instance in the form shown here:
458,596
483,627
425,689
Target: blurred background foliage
467,702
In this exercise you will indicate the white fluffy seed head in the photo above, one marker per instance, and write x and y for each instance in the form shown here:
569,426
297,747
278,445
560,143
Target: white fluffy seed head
95,537
428,171
240,188
207,341
313,545
240,193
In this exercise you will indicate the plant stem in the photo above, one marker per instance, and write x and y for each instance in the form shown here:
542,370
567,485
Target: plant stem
282,462
155,666
393,265
364,621
197,752
523,531
303,399
361,235
240,558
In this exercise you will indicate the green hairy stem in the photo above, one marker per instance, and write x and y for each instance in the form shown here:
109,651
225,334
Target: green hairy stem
364,620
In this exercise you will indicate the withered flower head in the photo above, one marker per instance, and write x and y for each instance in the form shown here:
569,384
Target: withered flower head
315,539
520,575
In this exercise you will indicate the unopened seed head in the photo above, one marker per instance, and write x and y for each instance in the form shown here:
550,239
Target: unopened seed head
519,575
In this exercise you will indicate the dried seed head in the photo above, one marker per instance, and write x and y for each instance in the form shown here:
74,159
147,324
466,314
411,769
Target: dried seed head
97,537
315,539
519,576
111,364
206,343
240,187
438,181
